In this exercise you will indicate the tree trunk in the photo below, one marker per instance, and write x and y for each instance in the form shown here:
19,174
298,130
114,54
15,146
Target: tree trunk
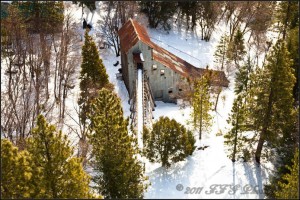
83,145
64,101
82,10
121,8
259,146
286,20
218,95
46,61
236,133
193,20
200,127
265,127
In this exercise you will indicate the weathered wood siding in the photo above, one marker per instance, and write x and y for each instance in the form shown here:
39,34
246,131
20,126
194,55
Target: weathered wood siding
160,84
131,69
124,64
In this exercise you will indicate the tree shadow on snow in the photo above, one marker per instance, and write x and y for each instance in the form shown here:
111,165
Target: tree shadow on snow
254,175
91,21
164,181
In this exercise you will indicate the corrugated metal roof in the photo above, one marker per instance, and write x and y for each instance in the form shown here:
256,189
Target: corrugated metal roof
132,32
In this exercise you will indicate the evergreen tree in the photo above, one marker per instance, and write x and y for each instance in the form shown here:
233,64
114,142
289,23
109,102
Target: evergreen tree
93,77
190,10
242,80
62,175
292,40
272,108
119,173
16,172
235,138
201,105
285,159
236,48
221,61
287,16
289,185
207,15
158,12
168,142
42,16
90,4
221,52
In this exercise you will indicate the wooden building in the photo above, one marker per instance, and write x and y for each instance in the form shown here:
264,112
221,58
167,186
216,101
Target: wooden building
162,69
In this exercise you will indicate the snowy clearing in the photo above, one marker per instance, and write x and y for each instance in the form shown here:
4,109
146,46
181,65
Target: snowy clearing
206,172
204,168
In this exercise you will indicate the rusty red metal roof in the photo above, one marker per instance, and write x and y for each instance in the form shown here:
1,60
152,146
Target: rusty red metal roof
132,32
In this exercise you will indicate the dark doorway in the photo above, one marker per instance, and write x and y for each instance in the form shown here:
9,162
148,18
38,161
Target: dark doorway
140,66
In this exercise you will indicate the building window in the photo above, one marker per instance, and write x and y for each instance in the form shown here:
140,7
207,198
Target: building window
162,72
170,90
180,89
154,67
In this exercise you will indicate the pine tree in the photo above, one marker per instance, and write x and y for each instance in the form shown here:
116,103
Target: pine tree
168,142
272,108
285,159
287,16
93,75
292,40
207,14
189,10
235,138
236,48
221,61
289,186
238,142
158,12
90,4
119,173
42,16
201,105
62,175
221,52
16,172
242,82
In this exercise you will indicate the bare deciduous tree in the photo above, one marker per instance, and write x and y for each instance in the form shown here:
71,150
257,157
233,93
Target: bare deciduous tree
109,31
26,91
66,59
118,12
208,13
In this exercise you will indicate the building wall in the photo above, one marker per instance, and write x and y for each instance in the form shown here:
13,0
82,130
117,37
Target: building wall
160,84
132,70
124,65
129,69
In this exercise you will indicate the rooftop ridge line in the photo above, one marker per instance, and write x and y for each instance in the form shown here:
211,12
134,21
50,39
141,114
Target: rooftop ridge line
135,29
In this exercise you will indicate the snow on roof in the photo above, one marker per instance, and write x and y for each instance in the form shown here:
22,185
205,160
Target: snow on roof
132,32
137,58
142,57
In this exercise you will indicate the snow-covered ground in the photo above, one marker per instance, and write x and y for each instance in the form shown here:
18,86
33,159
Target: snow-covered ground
208,171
